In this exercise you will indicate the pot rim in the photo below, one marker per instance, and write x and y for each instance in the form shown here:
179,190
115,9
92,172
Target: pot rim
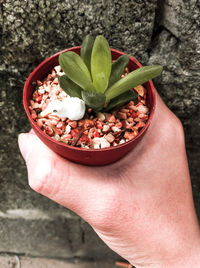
29,81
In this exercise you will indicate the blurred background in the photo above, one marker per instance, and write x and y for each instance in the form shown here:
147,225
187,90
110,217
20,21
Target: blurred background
155,32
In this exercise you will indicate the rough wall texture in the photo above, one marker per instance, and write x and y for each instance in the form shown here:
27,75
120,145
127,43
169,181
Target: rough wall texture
166,32
176,45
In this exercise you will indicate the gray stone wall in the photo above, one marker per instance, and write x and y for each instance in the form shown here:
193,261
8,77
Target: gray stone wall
155,32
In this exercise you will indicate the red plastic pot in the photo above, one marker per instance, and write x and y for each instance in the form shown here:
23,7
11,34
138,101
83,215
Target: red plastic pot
80,155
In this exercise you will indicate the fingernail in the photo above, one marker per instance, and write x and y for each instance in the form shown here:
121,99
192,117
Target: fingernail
24,145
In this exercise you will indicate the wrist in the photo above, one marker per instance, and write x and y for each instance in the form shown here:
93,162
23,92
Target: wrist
190,260
183,258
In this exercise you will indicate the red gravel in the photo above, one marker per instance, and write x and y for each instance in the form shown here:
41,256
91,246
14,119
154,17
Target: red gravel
101,131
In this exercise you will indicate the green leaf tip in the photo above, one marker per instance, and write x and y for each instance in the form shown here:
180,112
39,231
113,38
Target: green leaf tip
118,68
133,79
76,70
86,50
101,62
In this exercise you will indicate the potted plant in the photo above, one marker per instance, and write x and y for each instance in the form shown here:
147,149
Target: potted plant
89,104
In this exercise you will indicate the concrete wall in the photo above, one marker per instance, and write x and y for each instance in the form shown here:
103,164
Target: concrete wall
165,33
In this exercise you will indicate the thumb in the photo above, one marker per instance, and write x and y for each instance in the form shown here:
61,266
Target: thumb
87,191
51,175
23,142
45,168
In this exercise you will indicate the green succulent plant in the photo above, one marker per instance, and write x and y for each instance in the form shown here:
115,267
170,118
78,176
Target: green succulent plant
93,76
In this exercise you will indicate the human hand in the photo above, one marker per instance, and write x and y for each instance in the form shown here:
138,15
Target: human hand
140,206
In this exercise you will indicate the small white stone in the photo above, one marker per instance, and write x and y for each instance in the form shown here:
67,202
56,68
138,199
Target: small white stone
96,146
60,73
142,109
41,90
106,128
105,144
68,129
97,141
36,105
101,116
57,137
57,68
115,129
47,88
100,142
41,87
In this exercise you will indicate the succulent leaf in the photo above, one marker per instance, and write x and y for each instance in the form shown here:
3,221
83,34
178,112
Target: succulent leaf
76,70
101,62
93,99
86,50
132,80
78,60
71,88
118,68
122,99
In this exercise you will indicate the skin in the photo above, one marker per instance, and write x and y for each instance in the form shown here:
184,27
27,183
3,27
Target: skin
140,206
